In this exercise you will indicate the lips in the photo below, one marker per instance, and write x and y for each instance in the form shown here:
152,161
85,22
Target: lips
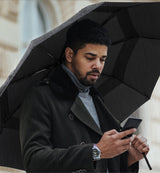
94,75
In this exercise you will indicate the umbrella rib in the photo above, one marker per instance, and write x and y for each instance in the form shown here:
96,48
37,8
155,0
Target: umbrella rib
112,15
31,74
126,85
116,11
126,39
150,38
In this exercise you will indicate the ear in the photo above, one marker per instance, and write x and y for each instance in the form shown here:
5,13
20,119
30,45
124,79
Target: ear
69,54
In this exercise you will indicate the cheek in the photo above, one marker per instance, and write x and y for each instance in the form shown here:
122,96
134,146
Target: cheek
79,69
101,69
83,66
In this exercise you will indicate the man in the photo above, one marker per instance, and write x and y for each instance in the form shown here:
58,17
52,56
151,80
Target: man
65,126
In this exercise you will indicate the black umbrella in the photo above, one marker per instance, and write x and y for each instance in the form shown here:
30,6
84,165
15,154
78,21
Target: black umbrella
127,81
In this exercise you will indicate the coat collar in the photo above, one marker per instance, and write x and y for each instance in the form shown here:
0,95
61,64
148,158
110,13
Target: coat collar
84,116
59,79
62,84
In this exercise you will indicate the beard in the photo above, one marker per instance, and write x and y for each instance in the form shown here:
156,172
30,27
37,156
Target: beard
86,82
90,82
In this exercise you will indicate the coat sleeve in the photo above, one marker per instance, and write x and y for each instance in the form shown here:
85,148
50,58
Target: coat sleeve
37,150
124,164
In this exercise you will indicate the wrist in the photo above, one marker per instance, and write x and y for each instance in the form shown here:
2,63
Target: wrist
131,160
96,153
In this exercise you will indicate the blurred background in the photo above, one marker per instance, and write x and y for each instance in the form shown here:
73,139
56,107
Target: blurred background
23,20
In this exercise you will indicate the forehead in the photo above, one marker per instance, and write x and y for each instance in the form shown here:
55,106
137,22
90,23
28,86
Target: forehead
97,49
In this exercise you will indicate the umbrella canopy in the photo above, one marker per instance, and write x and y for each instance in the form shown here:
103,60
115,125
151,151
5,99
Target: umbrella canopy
130,72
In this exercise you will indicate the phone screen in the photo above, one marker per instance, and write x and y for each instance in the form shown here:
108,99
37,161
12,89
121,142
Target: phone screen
131,123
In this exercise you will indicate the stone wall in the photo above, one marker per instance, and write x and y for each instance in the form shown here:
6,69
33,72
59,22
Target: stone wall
61,10
9,36
150,113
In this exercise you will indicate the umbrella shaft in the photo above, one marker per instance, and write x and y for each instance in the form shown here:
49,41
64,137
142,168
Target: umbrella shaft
145,157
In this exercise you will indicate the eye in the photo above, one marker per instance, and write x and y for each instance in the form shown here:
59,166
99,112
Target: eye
90,58
103,60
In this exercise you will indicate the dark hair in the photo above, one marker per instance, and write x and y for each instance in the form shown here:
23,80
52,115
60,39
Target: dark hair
83,32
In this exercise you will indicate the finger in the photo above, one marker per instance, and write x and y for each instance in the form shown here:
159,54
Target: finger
145,150
111,132
134,141
139,140
125,147
142,148
126,132
140,145
133,137
126,141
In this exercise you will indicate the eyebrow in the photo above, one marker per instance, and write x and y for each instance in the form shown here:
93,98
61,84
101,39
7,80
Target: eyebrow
92,54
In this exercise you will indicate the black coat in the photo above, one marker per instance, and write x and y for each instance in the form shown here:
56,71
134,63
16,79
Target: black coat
57,132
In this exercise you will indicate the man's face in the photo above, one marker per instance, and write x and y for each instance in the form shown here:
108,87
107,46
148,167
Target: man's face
88,63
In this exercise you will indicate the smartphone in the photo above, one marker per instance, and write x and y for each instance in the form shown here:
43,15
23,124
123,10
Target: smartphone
131,123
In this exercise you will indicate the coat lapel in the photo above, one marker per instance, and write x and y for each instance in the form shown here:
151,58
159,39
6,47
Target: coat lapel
84,116
106,119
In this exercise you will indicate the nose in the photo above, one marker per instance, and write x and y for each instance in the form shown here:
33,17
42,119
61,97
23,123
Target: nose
97,64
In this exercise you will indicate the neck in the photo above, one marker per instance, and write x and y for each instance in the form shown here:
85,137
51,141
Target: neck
80,86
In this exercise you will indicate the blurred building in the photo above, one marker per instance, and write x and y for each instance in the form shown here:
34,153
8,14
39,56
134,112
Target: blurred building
23,20
9,37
